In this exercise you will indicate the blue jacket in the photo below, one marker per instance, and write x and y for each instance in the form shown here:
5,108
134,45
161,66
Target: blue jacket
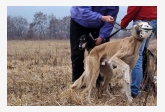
90,17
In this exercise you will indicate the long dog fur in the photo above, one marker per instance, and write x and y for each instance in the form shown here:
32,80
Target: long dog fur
122,53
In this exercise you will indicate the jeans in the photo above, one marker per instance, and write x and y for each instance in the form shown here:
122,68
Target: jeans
137,72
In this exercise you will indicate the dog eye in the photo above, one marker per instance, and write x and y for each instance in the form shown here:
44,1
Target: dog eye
147,26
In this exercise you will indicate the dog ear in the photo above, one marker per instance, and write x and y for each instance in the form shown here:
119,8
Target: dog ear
139,21
91,42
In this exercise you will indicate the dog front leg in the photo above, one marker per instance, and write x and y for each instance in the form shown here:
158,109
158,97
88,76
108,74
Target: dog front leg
127,82
126,76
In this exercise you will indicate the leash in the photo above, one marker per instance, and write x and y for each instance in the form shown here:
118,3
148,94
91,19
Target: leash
117,30
113,33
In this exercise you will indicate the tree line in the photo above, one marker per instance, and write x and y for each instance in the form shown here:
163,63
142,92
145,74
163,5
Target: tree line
42,27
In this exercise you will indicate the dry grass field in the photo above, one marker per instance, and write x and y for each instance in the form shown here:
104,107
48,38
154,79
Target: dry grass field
39,74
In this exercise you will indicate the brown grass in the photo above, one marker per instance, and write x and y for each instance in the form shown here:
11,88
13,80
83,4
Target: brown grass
39,74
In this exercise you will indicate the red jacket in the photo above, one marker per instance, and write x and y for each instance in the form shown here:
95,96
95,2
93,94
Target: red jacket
139,13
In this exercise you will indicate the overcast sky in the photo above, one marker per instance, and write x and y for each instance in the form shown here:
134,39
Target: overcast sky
59,11
29,11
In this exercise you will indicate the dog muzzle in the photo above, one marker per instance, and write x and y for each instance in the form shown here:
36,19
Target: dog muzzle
144,30
82,46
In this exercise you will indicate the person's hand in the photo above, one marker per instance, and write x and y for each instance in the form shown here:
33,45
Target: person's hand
108,19
98,41
122,27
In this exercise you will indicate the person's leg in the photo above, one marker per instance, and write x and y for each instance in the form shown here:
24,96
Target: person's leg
137,72
77,56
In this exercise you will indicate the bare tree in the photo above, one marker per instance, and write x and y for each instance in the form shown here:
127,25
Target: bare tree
52,27
31,31
16,27
59,28
40,25
66,26
21,25
10,28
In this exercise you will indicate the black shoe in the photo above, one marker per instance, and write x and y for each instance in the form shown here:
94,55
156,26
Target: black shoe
133,95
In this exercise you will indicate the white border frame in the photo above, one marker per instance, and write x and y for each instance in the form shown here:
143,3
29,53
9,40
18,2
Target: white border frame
3,56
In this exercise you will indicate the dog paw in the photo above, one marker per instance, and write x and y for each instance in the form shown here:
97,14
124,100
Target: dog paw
122,90
130,99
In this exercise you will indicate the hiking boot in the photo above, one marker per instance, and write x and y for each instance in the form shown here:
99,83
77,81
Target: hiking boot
133,95
136,95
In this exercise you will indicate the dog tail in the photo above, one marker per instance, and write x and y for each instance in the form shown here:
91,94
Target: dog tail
80,82
83,79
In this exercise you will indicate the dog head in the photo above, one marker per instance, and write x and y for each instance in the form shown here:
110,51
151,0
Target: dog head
142,30
86,41
83,42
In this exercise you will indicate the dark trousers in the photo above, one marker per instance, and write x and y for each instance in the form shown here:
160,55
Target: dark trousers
77,56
